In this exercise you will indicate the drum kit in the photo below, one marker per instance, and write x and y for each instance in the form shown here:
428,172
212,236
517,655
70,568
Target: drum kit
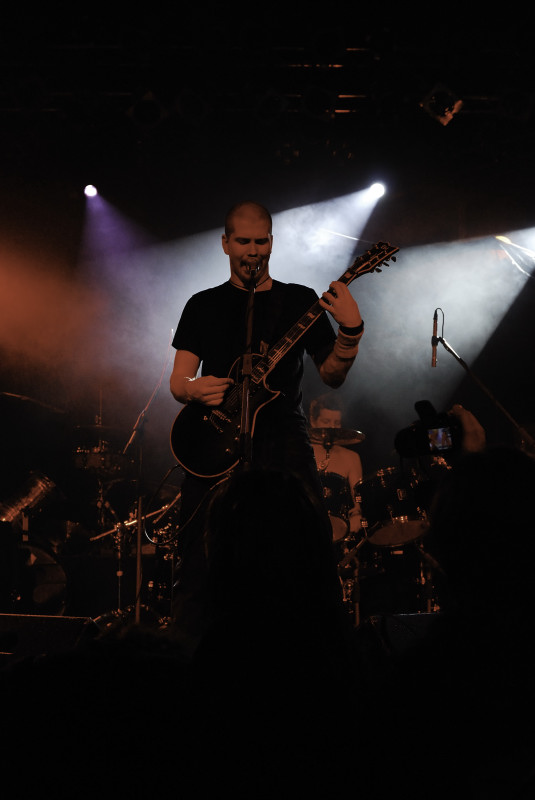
68,534
383,567
69,528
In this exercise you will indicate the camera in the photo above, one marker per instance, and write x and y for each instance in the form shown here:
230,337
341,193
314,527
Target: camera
433,434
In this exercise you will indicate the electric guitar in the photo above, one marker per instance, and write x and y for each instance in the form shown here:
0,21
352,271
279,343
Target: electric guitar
206,441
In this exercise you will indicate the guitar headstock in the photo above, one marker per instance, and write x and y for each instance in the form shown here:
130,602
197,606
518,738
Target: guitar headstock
373,259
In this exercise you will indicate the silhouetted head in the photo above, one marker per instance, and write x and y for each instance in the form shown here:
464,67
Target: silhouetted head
483,530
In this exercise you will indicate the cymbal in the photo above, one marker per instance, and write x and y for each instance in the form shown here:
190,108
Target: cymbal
32,400
330,436
100,429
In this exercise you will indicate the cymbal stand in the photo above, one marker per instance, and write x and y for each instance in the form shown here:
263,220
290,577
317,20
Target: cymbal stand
118,544
429,567
138,431
327,443
351,586
119,537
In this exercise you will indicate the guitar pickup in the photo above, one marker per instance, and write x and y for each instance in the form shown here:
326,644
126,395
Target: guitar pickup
217,420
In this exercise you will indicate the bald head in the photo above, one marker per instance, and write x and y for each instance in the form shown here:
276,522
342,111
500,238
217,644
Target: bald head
246,211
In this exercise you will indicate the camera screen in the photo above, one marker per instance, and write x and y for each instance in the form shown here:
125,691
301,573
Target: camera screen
439,439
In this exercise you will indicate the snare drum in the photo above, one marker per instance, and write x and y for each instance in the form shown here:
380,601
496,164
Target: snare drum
390,509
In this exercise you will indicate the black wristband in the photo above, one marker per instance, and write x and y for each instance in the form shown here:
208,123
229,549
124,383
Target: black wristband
352,331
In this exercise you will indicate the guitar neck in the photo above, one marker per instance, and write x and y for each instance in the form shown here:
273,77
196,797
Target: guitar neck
280,349
368,262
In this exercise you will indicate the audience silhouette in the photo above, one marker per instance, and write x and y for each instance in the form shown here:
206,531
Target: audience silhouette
449,709
282,697
270,673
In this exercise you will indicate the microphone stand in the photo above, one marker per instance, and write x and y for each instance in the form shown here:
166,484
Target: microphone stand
525,436
245,443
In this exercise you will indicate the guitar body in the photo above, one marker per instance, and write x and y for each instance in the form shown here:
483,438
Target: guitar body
206,440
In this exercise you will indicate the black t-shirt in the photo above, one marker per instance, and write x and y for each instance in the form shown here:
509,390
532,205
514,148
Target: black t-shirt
213,327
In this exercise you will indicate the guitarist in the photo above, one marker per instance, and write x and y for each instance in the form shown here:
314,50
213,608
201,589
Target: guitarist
211,337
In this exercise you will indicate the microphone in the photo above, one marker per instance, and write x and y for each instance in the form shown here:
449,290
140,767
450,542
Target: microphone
434,341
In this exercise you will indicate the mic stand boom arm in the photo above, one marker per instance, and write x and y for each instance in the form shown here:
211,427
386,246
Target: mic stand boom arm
523,433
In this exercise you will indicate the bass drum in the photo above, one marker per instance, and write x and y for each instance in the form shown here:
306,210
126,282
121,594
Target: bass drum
396,580
391,509
338,500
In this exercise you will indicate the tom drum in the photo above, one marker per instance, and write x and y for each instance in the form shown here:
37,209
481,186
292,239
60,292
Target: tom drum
338,500
391,511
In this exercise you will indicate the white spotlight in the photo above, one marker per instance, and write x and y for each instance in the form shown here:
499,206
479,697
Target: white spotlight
90,190
377,190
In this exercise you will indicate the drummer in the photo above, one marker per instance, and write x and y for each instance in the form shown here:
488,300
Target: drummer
340,469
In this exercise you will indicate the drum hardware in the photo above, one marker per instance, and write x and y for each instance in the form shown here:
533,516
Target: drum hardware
351,599
137,435
155,516
98,435
400,578
102,461
118,616
112,620
119,546
348,572
159,586
430,567
97,449
397,579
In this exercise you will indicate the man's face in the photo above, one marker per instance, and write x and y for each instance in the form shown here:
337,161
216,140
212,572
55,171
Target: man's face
327,418
249,244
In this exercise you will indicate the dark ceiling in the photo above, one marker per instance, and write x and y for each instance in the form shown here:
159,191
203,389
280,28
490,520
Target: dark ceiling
145,102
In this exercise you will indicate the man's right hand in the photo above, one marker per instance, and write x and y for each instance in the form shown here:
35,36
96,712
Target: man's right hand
207,390
186,389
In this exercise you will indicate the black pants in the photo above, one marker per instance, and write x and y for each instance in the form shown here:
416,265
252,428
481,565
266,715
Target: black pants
288,453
